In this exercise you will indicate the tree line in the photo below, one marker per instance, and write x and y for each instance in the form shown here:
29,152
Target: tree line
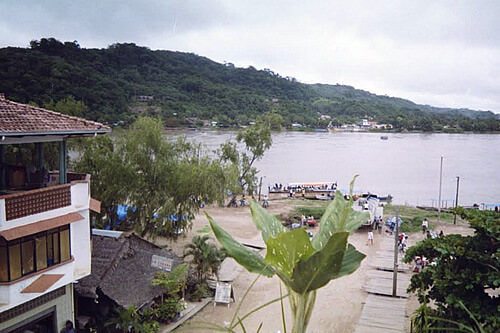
185,86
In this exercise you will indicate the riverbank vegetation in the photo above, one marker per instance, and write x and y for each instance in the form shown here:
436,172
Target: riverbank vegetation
125,81
460,289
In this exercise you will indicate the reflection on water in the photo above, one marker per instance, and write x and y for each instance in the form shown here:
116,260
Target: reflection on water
405,165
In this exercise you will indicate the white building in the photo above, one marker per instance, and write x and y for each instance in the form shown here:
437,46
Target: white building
364,123
45,243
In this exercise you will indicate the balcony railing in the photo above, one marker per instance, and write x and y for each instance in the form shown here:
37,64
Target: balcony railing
36,201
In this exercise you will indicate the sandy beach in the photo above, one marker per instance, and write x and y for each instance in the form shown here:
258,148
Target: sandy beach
338,305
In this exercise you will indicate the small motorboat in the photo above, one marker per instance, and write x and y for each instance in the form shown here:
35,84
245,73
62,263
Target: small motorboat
384,137
323,197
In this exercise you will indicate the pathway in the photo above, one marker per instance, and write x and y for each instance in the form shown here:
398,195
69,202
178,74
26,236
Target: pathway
382,312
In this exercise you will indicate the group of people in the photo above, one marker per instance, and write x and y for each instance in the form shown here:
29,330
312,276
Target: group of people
420,262
402,242
377,223
428,233
299,188
243,200
307,220
276,187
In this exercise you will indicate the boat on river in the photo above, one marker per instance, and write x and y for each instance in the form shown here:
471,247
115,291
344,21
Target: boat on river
307,190
324,196
384,198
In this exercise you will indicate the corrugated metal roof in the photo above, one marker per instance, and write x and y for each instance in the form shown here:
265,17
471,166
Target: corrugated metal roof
106,233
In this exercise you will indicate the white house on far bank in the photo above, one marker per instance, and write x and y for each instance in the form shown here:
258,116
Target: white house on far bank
45,243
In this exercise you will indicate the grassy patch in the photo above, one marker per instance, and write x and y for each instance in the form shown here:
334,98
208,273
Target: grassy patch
413,217
316,211
306,207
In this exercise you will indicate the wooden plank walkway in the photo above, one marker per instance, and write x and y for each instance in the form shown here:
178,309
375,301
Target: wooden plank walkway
382,312
380,283
384,258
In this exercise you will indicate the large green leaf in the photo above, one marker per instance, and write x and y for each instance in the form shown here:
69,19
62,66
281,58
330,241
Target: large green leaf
339,216
270,225
351,262
324,265
284,251
249,259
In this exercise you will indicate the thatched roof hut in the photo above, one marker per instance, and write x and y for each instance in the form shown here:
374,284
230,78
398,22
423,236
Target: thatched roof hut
121,269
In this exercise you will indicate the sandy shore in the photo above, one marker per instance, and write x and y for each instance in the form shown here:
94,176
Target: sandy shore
338,305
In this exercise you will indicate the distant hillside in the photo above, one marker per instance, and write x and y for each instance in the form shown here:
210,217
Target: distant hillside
184,86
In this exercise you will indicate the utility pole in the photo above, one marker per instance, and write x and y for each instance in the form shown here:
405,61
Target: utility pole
260,187
456,201
440,185
395,270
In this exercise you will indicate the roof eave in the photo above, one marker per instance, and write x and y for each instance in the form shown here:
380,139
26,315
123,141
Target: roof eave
77,132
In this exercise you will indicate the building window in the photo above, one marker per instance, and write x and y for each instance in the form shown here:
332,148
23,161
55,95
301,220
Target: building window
41,252
28,256
53,248
33,253
14,261
4,264
65,246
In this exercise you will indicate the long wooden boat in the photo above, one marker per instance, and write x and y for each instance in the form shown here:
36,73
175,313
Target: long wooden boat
307,190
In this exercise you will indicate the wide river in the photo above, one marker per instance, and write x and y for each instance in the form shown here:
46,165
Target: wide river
405,166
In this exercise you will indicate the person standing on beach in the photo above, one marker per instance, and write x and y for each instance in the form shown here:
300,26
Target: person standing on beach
425,226
370,238
303,220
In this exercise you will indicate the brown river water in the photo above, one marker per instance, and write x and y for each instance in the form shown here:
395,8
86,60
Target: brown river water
407,165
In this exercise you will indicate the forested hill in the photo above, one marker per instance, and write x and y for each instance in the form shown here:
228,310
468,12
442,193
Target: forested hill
184,85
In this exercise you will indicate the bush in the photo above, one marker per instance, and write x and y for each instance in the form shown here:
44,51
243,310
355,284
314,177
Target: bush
201,291
169,309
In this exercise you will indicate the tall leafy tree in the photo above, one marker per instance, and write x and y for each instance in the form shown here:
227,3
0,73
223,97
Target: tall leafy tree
69,106
465,273
240,163
163,180
109,175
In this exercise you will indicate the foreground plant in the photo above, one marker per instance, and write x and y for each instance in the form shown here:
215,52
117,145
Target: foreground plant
302,264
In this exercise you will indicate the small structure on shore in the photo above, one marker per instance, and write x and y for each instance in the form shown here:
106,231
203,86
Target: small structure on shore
123,267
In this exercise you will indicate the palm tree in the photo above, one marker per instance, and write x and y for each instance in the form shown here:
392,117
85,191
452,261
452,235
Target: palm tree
127,320
206,257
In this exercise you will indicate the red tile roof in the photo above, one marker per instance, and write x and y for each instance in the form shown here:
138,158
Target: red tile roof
22,119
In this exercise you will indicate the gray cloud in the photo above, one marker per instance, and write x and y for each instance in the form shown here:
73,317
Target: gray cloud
442,53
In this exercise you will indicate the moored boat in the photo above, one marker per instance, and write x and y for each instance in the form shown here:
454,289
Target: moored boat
307,190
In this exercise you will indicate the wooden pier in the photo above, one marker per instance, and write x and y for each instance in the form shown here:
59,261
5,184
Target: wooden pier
382,312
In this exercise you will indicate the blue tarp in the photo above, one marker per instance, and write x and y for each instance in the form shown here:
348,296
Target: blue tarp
122,212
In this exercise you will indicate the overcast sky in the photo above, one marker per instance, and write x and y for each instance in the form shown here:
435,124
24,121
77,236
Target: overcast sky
442,53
